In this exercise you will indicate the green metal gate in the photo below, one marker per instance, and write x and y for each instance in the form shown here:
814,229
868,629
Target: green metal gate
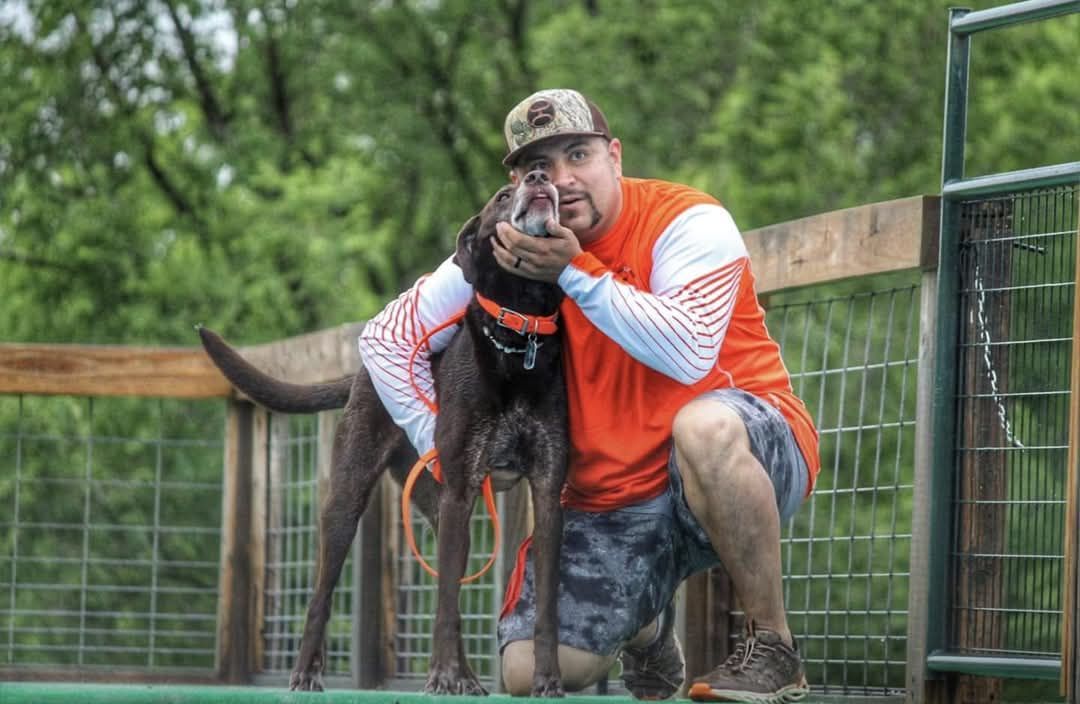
1001,452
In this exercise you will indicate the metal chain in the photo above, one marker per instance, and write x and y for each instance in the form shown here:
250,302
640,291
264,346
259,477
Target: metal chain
991,373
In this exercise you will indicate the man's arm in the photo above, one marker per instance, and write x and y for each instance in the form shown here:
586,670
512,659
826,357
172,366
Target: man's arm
677,328
387,341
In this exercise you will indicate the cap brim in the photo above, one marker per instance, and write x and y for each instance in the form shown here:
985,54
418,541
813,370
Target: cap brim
510,158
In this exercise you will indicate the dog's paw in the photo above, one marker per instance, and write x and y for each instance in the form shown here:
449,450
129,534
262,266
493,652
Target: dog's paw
305,682
456,680
547,686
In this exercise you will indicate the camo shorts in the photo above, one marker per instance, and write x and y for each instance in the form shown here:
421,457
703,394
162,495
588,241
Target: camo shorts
619,569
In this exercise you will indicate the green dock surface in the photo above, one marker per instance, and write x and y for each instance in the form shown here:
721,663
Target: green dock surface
72,693
78,693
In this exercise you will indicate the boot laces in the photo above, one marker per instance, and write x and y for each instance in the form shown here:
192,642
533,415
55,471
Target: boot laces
748,653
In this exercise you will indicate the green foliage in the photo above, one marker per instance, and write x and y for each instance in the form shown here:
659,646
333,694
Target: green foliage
271,169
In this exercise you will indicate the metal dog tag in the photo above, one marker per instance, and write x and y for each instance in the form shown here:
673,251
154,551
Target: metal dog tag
530,352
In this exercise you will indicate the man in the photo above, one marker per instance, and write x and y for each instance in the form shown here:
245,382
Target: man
688,445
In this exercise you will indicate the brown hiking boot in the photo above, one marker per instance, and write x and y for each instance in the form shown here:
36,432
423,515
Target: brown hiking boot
762,669
657,670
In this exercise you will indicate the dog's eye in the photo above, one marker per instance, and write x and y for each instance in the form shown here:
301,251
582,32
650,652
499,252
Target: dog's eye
502,196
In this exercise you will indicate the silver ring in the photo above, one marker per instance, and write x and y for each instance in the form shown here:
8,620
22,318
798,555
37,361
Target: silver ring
517,263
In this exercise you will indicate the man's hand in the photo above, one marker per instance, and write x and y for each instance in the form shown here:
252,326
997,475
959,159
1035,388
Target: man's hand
537,258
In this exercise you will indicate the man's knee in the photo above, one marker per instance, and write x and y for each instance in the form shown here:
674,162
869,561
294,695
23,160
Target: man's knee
517,668
706,429
579,668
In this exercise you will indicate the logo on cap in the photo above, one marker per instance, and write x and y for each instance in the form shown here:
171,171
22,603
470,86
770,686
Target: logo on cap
540,113
549,113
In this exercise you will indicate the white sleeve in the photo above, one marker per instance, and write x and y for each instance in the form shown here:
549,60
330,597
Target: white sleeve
678,326
387,341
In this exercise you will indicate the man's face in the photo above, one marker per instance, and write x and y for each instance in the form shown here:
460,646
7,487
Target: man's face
586,172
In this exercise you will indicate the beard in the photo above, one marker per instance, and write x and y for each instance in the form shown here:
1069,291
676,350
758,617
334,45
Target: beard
595,216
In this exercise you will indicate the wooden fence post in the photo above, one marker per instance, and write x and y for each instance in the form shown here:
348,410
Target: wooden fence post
708,600
982,486
1070,627
236,607
920,688
369,666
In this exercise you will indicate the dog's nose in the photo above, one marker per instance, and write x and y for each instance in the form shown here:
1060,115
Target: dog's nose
537,177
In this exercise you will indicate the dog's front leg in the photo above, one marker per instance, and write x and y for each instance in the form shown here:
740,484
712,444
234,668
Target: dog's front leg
450,672
547,540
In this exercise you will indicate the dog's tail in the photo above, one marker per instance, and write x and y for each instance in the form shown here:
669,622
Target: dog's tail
266,390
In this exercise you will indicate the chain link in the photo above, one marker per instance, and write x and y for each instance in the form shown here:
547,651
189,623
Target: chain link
991,373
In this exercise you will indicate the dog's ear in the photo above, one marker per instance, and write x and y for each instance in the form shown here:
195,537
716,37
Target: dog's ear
466,244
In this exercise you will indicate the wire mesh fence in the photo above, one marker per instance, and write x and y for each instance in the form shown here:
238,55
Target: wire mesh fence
292,519
1017,286
853,360
109,555
416,596
110,532
292,544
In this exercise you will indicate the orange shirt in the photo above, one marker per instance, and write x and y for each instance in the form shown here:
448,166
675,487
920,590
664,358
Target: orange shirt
621,409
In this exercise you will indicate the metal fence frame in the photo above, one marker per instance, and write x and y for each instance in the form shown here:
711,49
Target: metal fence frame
853,635
939,657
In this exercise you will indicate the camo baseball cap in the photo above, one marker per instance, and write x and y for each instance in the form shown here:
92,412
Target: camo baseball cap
551,113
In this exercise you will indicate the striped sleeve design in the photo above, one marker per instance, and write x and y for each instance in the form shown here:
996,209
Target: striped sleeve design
387,341
679,324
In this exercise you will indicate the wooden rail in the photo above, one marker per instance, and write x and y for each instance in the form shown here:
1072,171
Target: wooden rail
86,370
895,235
871,239
155,372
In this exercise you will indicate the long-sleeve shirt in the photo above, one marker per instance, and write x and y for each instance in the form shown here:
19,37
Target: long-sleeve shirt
659,309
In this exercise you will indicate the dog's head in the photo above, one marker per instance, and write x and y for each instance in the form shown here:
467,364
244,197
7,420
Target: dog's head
526,205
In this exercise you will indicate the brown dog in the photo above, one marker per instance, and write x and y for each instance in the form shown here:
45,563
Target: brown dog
496,417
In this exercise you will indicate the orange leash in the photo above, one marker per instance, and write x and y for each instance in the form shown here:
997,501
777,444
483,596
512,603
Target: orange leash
406,517
432,457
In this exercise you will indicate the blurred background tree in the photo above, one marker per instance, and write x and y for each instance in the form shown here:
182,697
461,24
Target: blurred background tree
271,168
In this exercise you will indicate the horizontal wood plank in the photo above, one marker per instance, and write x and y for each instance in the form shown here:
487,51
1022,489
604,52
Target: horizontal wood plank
93,370
158,372
871,239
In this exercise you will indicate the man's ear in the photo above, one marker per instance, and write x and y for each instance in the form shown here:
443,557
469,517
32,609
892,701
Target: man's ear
466,244
615,153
